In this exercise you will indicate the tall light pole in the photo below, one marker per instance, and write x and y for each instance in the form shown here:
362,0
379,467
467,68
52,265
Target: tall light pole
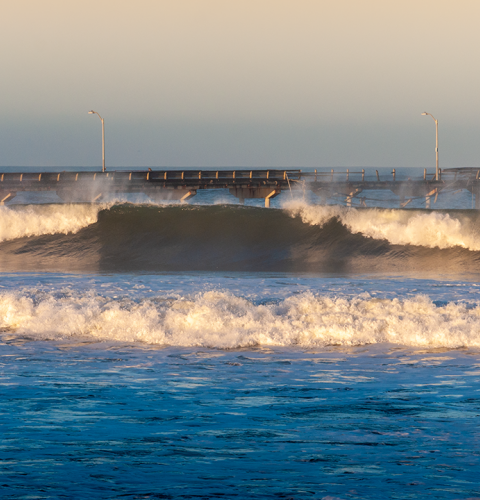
436,146
103,138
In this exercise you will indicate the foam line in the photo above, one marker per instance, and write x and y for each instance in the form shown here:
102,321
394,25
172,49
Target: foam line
223,320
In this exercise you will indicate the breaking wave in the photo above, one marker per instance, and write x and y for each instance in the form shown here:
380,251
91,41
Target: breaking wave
299,238
223,320
398,227
36,220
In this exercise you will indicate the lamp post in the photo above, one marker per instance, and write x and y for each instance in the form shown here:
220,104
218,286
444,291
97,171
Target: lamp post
103,138
436,146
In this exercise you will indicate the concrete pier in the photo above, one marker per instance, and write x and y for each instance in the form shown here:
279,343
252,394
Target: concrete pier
181,185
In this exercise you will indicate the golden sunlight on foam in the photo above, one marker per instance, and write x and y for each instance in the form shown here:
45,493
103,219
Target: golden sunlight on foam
36,220
398,227
223,320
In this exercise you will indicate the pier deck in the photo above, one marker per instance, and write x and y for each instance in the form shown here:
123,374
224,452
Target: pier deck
87,186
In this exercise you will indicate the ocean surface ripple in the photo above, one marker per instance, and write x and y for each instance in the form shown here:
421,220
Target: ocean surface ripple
224,351
116,421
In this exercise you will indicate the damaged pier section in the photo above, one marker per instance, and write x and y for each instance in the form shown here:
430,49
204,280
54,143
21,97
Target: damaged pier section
351,184
181,185
158,185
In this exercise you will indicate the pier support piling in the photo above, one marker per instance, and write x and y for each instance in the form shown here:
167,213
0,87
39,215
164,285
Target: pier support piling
269,197
78,196
350,196
428,197
477,199
243,193
5,197
161,194
188,195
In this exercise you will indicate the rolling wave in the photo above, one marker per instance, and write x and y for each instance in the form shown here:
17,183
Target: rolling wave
299,238
37,220
398,227
223,320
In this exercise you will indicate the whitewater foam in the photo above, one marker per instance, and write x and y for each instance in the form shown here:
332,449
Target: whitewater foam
36,220
223,320
398,227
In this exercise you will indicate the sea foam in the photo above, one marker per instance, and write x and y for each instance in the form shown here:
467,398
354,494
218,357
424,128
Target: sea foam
221,319
398,227
37,220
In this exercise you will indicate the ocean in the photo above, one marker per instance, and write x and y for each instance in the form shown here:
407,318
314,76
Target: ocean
213,350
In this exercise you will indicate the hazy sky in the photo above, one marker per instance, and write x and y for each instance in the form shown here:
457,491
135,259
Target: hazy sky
239,82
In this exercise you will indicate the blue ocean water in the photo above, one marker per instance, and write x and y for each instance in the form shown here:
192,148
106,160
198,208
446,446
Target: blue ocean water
139,362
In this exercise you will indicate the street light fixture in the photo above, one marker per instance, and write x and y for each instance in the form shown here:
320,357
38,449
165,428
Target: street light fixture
103,138
436,146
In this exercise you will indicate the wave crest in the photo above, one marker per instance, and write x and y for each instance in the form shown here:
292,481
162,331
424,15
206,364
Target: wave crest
398,227
37,220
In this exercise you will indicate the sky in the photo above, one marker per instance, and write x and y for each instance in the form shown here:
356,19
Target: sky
211,83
